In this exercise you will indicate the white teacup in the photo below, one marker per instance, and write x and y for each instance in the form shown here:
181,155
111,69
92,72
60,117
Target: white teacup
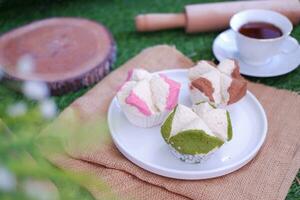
260,51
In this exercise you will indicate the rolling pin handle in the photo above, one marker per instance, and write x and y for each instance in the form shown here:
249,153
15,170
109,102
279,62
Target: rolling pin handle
154,22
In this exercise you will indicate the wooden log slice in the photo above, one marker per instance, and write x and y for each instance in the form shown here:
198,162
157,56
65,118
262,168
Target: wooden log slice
68,53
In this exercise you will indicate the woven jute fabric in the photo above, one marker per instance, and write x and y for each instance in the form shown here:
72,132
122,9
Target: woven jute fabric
268,176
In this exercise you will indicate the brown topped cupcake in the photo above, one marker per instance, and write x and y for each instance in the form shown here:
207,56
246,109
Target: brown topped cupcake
219,85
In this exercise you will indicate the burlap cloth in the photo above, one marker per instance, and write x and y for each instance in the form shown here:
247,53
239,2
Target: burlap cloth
268,176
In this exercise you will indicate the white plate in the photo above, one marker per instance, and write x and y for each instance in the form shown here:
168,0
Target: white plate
146,148
224,47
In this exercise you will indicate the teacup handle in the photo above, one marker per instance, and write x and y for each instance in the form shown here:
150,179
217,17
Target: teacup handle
289,45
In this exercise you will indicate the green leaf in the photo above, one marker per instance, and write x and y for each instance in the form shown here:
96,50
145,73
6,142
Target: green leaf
194,142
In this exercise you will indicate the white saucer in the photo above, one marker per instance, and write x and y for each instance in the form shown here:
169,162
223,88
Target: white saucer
146,148
224,47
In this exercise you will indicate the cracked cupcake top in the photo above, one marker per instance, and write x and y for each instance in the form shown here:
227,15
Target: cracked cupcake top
220,85
200,130
146,94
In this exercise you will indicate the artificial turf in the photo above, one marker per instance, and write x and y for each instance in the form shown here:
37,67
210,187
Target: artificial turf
118,15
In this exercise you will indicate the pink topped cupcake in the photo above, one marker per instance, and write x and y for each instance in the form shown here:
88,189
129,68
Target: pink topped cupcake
146,99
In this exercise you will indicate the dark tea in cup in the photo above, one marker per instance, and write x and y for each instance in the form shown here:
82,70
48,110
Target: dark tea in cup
260,35
260,30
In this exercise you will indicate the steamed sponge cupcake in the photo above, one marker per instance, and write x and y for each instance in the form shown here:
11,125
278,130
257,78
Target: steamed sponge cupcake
219,85
192,138
146,99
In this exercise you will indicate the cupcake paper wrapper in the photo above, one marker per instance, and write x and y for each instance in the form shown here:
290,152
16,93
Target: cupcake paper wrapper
146,121
192,159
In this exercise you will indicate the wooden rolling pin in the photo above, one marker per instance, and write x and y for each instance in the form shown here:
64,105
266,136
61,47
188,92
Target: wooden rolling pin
213,16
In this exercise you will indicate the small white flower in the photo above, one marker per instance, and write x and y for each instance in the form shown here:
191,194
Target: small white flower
17,109
25,64
40,189
35,90
48,108
8,180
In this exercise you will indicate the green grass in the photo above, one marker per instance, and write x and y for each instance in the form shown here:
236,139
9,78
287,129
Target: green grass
118,16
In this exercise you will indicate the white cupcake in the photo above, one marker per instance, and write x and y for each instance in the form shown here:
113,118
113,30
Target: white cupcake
192,138
146,99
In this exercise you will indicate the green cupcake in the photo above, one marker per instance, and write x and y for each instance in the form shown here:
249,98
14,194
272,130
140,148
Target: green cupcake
189,137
